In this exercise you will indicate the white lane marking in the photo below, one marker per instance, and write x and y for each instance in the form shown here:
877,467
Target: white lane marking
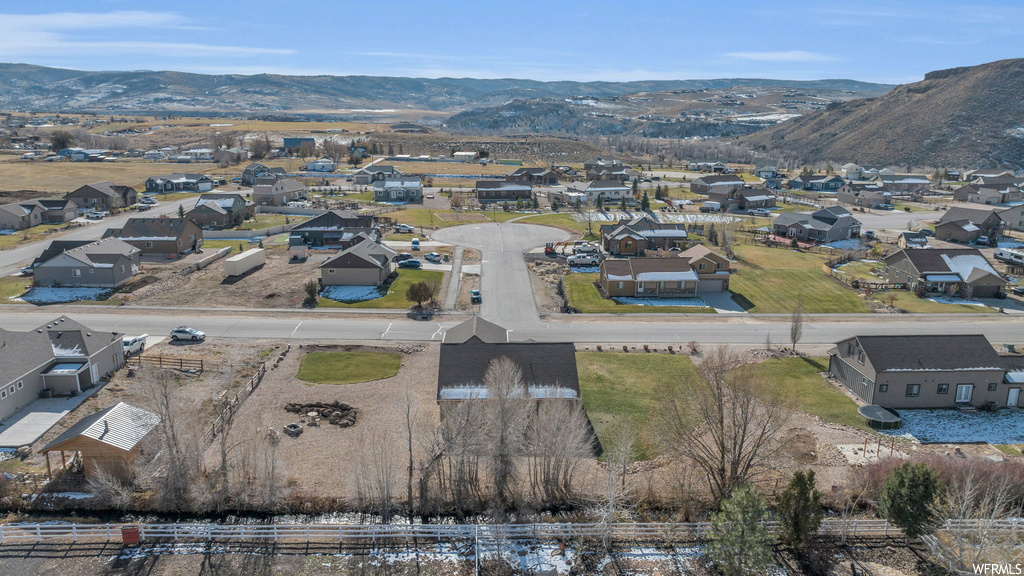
438,332
296,329
388,329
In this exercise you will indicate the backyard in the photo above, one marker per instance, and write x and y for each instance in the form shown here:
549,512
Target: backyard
799,379
395,298
583,296
348,367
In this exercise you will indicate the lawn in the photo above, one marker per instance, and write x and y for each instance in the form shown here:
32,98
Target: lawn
798,379
444,218
624,388
348,367
13,286
565,220
262,221
461,168
778,291
584,296
777,258
395,298
860,270
33,234
906,300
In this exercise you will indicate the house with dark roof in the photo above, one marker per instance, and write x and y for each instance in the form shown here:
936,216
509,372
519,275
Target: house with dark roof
692,273
179,182
374,172
548,368
962,272
103,196
633,237
160,236
912,240
903,182
928,371
58,211
221,210
107,441
967,224
602,163
502,191
620,174
61,358
364,264
537,176
743,198
973,175
816,182
277,192
978,194
340,228
714,167
825,225
403,189
863,194
21,215
705,184
256,170
106,263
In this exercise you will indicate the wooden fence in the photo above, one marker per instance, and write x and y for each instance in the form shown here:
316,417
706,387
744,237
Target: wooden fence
165,362
232,406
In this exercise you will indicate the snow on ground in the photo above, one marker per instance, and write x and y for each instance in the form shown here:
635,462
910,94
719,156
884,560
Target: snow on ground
585,269
8,454
954,300
670,217
851,244
953,427
351,293
687,302
1000,244
58,295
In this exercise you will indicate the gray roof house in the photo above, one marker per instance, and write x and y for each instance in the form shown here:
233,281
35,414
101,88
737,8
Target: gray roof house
863,194
364,264
338,228
705,184
962,272
404,189
818,182
503,191
825,225
103,196
21,215
179,182
277,192
255,170
220,210
166,236
106,263
370,174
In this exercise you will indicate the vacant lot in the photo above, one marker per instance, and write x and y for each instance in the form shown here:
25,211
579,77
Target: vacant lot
444,218
62,177
395,298
799,379
461,168
583,295
33,234
348,367
908,301
261,221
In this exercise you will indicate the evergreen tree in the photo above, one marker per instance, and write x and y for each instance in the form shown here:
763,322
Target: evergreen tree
400,150
622,205
181,210
907,497
799,510
636,189
536,203
658,193
600,201
645,202
391,149
740,541
713,235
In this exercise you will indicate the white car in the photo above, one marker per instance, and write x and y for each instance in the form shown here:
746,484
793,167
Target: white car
583,260
186,333
134,344
147,200
405,228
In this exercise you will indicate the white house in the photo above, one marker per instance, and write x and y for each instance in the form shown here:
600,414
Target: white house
321,165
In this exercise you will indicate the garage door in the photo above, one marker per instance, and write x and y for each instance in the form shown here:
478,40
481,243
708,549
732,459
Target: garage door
709,286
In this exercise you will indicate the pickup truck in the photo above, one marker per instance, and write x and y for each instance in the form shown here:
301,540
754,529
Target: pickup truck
134,344
583,260
759,212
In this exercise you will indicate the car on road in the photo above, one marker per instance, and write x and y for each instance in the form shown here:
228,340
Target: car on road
403,257
134,344
430,196
415,244
413,263
405,228
144,207
28,270
583,260
187,333
475,297
432,257
759,212
147,200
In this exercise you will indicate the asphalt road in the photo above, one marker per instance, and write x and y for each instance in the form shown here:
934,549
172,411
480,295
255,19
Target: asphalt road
13,260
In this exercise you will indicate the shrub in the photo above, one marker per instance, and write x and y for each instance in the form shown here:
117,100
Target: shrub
907,497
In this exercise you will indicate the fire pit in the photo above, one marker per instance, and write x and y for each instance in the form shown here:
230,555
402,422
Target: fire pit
294,430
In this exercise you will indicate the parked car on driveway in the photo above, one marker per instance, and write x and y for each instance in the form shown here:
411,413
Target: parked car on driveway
475,297
583,260
186,333
409,264
760,212
434,257
927,231
402,257
405,228
28,270
1018,290
134,344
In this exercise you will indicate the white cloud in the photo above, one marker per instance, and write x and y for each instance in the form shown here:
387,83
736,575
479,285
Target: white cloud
789,56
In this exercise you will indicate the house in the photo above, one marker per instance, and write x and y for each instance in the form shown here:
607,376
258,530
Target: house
962,272
620,174
978,194
199,154
231,156
926,371
464,156
321,165
973,175
106,263
537,176
863,194
63,357
636,236
338,228
21,215
108,441
826,225
255,170
548,368
164,236
364,264
502,191
912,240
767,171
154,155
607,191
851,171
967,225
405,189
179,182
278,193
998,181
712,167
705,184
103,196
291,145
816,182
904,182
58,211
742,199
220,210
693,272
1012,218
602,163
375,172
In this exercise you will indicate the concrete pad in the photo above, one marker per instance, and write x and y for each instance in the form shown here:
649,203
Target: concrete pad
856,455
32,421
473,269
154,340
722,302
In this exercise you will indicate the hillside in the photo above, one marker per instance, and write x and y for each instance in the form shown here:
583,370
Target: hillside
36,88
961,117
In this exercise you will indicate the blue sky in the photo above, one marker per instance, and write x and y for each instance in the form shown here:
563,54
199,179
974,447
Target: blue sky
896,41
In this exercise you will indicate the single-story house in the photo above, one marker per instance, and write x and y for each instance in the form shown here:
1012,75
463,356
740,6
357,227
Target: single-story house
695,271
766,171
602,162
999,181
164,235
962,272
816,182
222,210
705,184
338,228
742,199
21,215
634,237
863,194
405,189
58,211
231,156
713,167
290,145
825,225
967,224
538,176
364,264
63,357
904,182
103,196
279,193
912,240
608,191
1012,218
973,175
106,263
977,194
370,174
179,182
927,371
321,165
502,191
107,441
620,174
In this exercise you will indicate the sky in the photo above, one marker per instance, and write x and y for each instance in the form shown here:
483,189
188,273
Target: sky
888,42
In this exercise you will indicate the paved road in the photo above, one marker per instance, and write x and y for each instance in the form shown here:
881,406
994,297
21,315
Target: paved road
13,260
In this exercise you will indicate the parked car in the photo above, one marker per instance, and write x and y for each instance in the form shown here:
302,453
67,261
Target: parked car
403,257
28,270
927,231
583,260
759,212
869,234
186,333
409,264
585,249
405,228
1018,290
982,241
147,200
475,297
134,344
432,257
144,207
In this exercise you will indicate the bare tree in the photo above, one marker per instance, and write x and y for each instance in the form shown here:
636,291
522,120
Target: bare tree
558,439
976,501
260,147
612,501
375,475
174,472
725,423
506,415
112,490
796,327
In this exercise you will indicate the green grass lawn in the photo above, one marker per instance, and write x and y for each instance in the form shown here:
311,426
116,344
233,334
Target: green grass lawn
584,296
1010,449
906,300
262,221
395,298
798,379
348,367
777,258
13,286
859,270
623,389
32,234
778,291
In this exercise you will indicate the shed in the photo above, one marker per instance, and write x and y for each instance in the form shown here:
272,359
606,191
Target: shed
107,440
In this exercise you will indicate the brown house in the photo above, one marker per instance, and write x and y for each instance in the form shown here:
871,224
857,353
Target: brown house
221,210
742,199
705,184
634,237
967,225
538,176
103,196
696,271
502,191
170,236
108,440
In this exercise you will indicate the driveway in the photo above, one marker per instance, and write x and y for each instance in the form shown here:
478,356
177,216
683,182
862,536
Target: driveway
722,302
504,279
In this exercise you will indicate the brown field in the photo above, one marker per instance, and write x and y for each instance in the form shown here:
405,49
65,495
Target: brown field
455,168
